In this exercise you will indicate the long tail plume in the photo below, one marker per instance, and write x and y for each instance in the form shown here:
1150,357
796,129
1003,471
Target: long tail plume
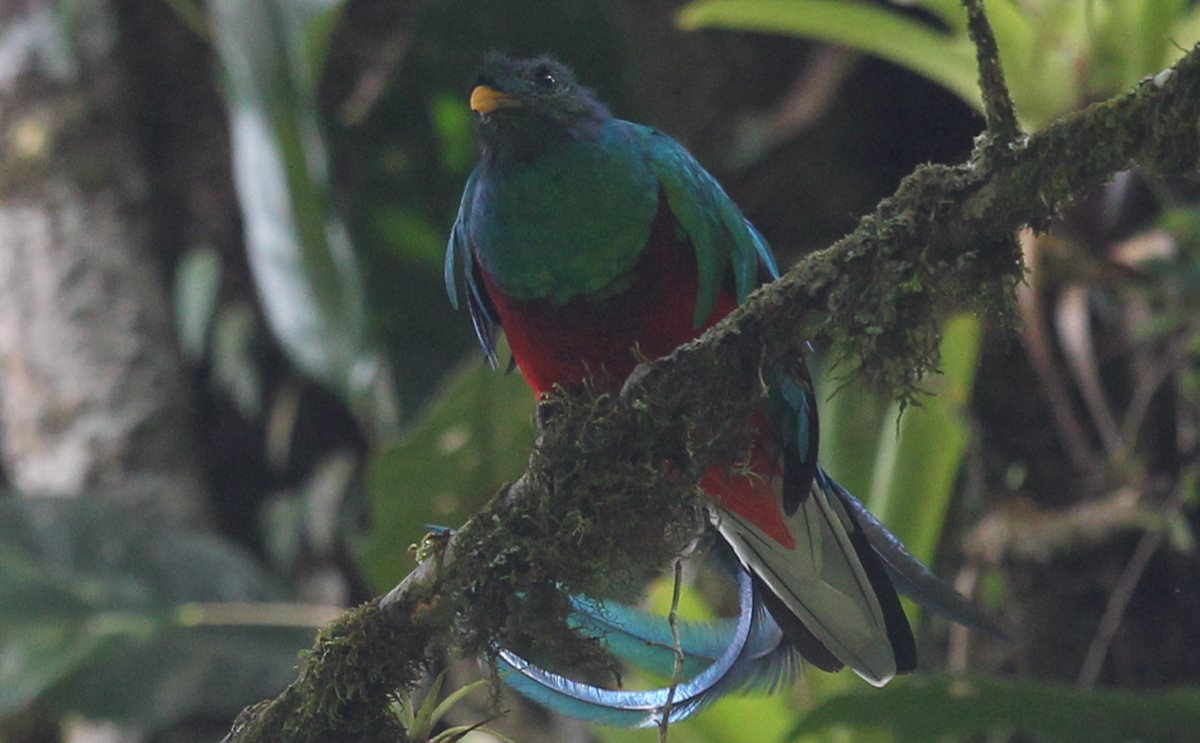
722,656
727,655
910,576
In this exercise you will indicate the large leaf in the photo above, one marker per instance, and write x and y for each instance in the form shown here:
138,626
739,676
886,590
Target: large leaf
473,437
182,673
105,612
300,252
919,711
1057,54
916,470
1186,27
949,12
850,414
944,58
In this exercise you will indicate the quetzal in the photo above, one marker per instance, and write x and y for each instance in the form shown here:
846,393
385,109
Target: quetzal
595,243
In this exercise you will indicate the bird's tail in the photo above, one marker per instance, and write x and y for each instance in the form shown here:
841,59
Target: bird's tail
827,588
720,657
839,607
909,575
762,646
833,591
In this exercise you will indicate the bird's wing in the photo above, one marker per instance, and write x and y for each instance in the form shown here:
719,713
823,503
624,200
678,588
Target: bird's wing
722,238
458,250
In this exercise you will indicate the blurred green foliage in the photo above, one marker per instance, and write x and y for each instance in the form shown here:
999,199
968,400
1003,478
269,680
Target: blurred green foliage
107,614
472,439
1057,54
947,59
308,280
921,449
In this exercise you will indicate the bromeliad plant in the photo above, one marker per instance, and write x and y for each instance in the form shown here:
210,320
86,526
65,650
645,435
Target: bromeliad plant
1057,54
419,721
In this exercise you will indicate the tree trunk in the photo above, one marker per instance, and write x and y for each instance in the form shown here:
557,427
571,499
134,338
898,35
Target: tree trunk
92,394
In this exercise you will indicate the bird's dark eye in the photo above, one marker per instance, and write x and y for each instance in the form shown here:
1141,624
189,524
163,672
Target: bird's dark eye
544,78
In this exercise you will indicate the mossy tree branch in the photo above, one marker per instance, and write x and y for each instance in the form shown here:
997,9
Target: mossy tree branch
610,496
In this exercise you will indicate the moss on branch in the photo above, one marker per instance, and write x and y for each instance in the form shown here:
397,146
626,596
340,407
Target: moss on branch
610,491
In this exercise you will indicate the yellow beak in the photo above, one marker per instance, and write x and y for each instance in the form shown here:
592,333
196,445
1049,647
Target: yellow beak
485,99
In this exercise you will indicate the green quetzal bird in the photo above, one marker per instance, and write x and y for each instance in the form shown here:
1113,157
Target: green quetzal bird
595,243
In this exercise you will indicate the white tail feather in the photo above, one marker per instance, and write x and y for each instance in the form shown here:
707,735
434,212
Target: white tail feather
821,580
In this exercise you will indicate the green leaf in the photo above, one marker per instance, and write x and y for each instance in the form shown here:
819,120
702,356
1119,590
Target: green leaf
947,60
182,673
412,236
36,658
299,249
459,732
454,125
403,707
923,710
1141,37
1184,33
313,25
753,718
423,721
1153,24
235,359
1040,76
197,286
454,698
472,438
850,417
916,470
950,12
192,16
89,620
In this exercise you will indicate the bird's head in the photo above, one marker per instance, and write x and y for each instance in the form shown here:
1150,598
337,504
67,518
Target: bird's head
524,104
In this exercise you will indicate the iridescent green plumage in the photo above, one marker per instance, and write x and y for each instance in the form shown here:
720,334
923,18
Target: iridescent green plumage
564,211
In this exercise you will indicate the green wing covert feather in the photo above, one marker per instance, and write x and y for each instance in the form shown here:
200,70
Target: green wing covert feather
719,232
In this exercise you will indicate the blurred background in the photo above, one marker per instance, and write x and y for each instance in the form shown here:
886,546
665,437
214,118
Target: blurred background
233,394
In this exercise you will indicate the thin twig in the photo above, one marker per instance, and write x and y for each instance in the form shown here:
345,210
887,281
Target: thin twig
1175,357
1074,325
250,614
373,81
1118,601
1041,357
804,104
1021,530
677,672
958,643
998,106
